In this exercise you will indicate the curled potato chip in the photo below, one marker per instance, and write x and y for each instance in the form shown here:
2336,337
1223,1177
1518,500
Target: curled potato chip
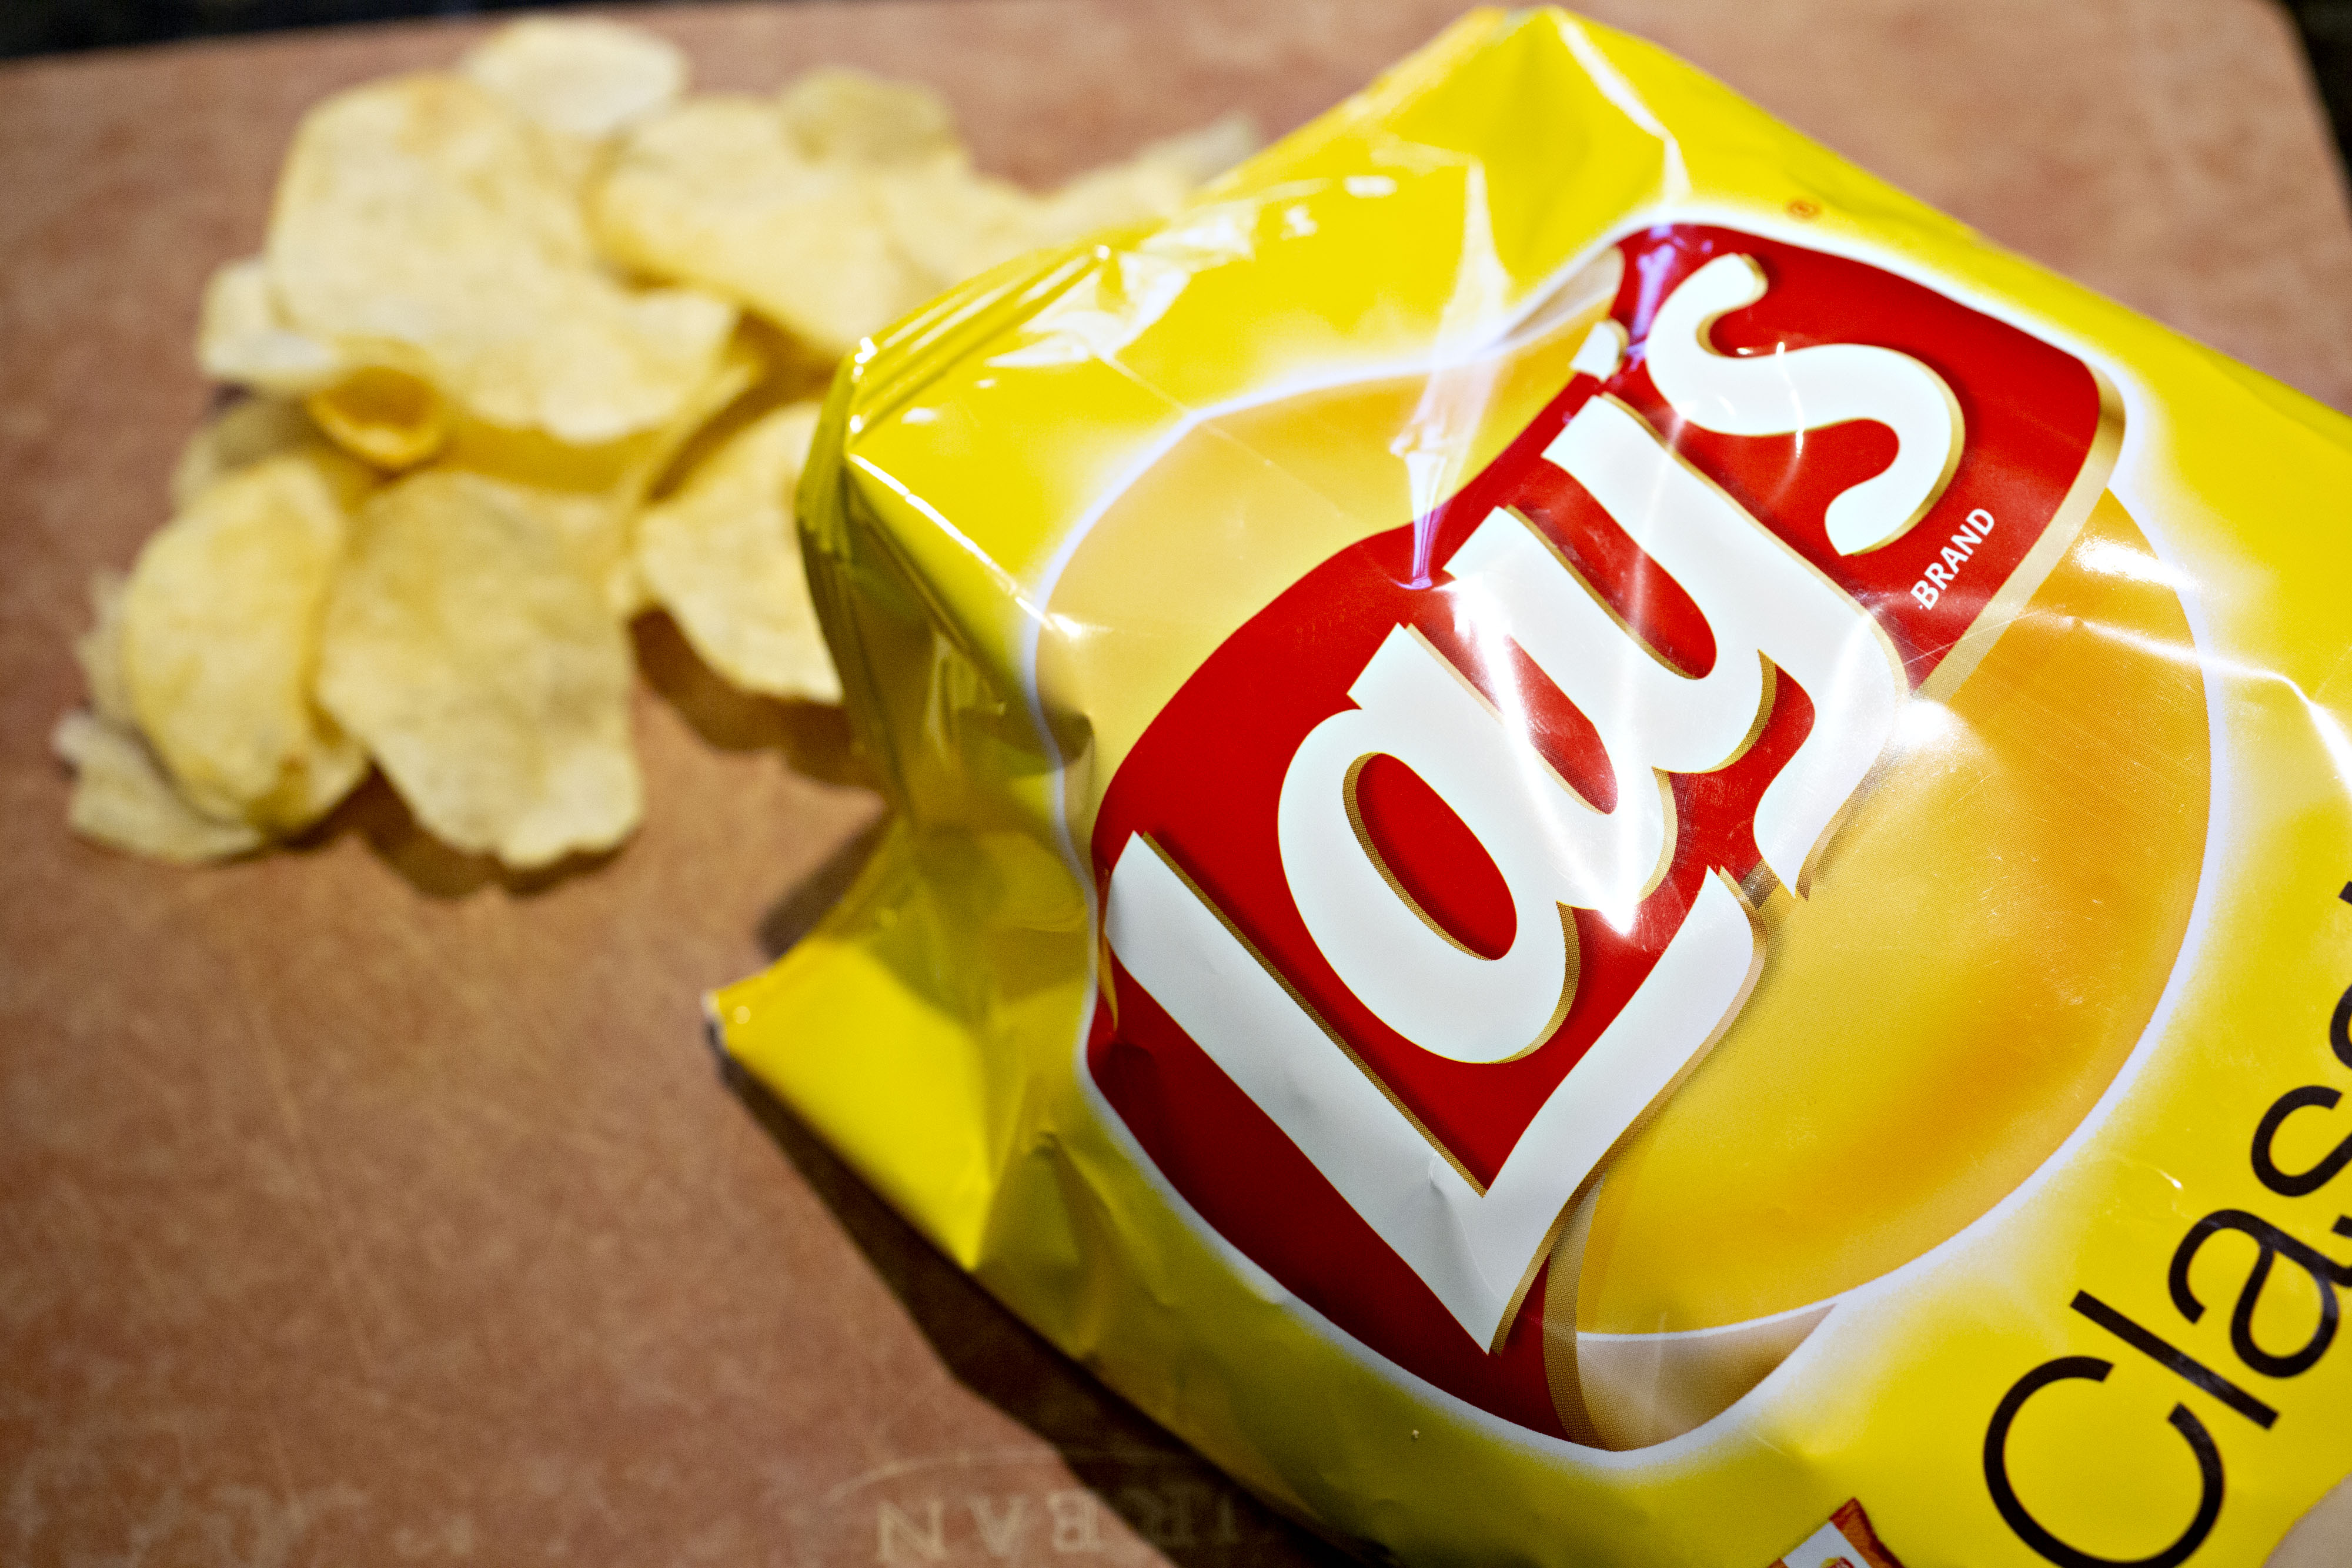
578,75
723,558
470,648
383,413
123,799
422,226
220,638
392,418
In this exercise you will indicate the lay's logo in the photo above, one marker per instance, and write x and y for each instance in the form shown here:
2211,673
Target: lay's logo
1441,874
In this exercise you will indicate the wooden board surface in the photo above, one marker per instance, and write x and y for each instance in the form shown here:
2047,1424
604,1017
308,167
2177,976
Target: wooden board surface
358,1204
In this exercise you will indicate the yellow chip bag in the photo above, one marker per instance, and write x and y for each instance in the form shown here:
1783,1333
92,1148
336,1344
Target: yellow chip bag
1608,849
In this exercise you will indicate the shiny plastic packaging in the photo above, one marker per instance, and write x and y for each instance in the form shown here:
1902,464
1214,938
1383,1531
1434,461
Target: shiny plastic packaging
1608,850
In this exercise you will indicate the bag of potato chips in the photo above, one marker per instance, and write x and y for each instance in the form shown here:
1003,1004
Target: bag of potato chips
1608,850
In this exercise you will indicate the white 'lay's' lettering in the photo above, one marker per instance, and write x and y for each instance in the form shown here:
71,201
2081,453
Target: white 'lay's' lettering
1768,610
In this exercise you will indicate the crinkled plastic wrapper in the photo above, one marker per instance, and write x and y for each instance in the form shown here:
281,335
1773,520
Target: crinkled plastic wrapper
1609,850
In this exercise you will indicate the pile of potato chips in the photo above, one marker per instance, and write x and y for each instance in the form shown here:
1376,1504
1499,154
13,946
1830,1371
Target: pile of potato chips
527,353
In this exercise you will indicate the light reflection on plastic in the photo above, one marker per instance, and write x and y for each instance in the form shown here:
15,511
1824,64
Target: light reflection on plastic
2330,730
2122,560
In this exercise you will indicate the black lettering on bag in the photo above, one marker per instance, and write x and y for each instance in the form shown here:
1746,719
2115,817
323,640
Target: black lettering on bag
2326,1275
2174,1359
2305,1182
2339,1027
2031,1530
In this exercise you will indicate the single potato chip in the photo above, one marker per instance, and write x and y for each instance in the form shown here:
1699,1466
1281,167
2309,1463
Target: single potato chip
219,639
121,798
470,648
579,76
838,114
719,194
423,225
723,558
